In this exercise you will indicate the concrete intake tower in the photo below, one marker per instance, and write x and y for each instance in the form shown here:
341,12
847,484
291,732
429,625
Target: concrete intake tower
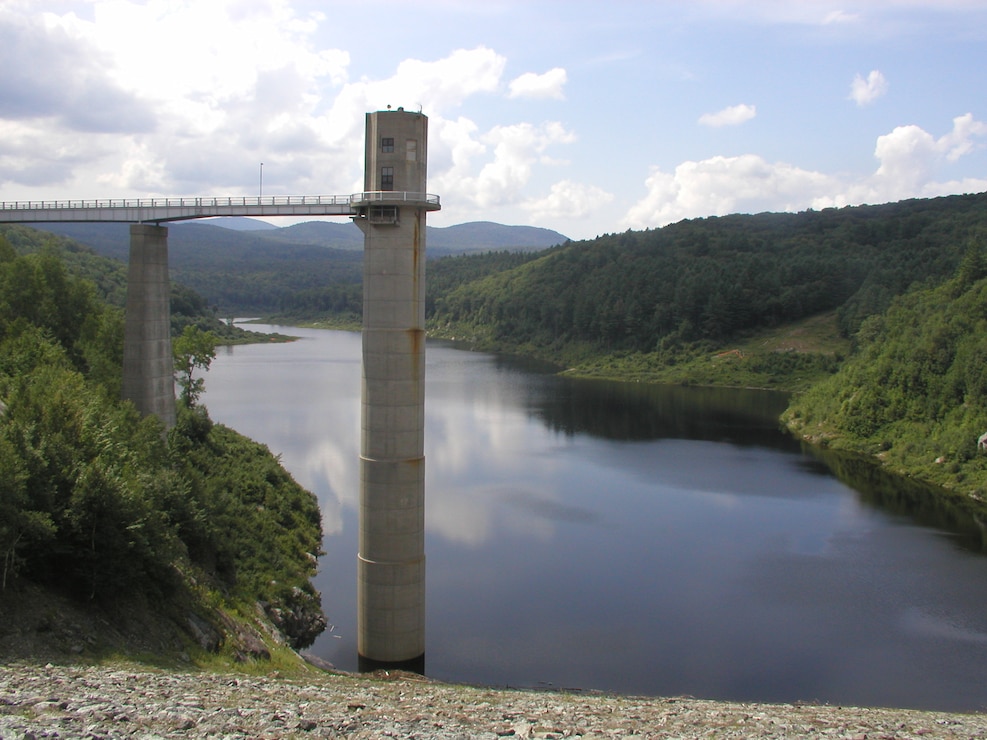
391,558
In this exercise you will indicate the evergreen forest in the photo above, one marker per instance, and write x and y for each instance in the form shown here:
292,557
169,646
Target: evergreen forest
109,508
705,280
685,302
914,393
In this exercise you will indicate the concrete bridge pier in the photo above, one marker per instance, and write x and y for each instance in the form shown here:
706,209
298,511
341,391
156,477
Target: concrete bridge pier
148,367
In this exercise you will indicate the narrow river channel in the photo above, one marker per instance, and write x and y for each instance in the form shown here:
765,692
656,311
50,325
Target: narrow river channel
631,538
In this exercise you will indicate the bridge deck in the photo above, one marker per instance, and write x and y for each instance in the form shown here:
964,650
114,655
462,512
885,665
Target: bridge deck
157,210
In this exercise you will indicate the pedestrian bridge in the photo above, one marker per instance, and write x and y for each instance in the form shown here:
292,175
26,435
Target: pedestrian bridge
148,365
161,210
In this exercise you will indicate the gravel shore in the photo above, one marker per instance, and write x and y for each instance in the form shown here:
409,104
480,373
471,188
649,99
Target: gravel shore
49,701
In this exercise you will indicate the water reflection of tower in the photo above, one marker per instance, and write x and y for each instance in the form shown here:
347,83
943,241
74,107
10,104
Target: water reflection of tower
391,559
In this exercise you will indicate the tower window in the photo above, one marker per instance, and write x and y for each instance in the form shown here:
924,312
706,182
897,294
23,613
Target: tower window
387,144
382,215
412,150
387,178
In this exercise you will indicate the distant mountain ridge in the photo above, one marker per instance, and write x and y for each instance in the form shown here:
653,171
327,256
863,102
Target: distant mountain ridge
247,233
487,235
239,223
252,270
475,236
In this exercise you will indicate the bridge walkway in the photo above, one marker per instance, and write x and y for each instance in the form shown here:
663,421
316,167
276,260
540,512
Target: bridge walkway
162,210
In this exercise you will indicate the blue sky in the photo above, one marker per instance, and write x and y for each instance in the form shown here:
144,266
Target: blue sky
583,117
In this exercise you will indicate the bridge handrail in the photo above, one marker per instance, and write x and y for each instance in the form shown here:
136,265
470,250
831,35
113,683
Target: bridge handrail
210,202
394,195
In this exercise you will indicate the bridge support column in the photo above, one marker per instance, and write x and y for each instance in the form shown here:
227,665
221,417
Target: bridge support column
148,367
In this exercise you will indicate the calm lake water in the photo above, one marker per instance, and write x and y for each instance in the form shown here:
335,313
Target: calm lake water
629,538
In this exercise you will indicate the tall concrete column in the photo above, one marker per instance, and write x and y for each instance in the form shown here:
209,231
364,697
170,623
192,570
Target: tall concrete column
148,367
391,571
391,559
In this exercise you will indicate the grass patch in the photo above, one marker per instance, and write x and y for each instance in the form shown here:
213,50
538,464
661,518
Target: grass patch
338,323
814,335
790,358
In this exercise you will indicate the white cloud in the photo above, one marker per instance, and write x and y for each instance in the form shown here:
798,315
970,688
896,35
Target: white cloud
442,84
840,16
245,84
487,174
60,78
511,152
436,87
250,83
909,161
961,140
775,12
97,110
864,92
907,156
567,200
531,85
453,146
34,157
733,115
225,44
722,185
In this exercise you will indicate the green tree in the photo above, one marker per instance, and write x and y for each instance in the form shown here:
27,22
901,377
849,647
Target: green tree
84,477
21,526
7,251
98,502
194,349
915,391
973,266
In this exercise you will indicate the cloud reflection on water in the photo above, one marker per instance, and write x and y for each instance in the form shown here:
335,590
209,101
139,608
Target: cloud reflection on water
544,507
664,549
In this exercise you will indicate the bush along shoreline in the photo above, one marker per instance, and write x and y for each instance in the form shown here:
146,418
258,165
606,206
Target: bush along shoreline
913,395
198,533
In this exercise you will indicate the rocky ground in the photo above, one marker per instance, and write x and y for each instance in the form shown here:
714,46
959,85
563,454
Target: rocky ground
59,701
59,678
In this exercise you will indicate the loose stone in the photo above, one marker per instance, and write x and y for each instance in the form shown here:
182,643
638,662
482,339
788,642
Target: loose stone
74,702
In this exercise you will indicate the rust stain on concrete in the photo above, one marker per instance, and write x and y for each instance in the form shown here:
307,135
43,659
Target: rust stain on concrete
417,256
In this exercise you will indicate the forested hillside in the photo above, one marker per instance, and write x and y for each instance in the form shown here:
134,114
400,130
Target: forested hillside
109,278
702,279
915,392
299,270
715,278
99,503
